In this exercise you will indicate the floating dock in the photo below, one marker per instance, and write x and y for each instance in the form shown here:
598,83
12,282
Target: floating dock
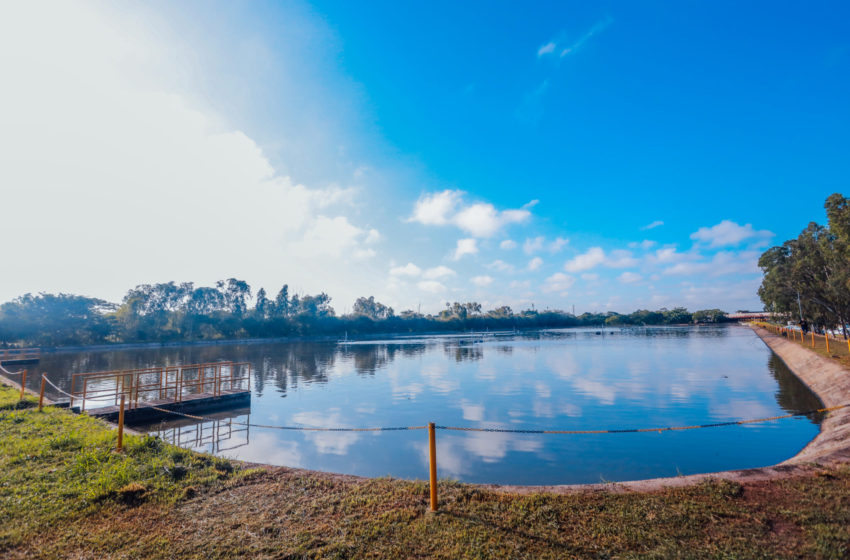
154,394
196,404
19,356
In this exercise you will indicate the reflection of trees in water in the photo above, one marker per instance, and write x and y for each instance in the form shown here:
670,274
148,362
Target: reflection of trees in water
792,394
278,365
369,358
463,351
304,363
413,350
504,349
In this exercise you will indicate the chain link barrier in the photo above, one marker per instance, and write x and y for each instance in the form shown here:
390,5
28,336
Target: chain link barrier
515,431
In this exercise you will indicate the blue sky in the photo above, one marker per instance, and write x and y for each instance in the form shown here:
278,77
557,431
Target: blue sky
607,155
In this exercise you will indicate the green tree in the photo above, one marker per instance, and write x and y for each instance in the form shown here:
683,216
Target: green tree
709,316
263,306
810,275
368,307
282,304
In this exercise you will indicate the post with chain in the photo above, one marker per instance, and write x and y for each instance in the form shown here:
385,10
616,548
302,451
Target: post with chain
432,452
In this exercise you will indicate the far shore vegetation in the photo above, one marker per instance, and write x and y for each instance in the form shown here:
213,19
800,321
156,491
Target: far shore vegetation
172,311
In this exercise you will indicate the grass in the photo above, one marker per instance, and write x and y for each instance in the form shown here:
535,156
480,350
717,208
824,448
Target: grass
64,493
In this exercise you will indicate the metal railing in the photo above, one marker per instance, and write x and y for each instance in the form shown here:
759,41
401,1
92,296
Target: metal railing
832,344
173,383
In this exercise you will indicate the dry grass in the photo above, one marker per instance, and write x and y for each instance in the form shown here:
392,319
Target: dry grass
64,494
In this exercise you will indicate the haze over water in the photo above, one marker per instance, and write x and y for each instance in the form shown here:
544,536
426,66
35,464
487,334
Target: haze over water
572,379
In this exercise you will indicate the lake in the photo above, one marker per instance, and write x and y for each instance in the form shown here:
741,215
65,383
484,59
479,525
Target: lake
564,379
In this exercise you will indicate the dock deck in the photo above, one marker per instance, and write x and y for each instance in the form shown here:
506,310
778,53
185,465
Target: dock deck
197,404
19,356
153,394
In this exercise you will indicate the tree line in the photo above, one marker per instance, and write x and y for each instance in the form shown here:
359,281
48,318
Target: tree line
172,311
808,278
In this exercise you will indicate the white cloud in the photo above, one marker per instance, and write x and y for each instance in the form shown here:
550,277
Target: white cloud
373,236
501,266
507,244
532,245
482,281
668,255
589,276
565,49
630,277
558,282
438,272
620,258
480,219
558,244
467,246
431,286
653,225
409,269
594,257
327,237
722,263
483,220
646,244
362,254
436,208
520,284
728,232
535,263
687,268
472,412
92,122
548,48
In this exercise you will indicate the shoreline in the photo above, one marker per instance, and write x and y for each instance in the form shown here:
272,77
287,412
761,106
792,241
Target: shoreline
829,380
338,337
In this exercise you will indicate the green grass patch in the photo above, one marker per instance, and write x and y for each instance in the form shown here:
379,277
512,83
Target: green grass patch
56,466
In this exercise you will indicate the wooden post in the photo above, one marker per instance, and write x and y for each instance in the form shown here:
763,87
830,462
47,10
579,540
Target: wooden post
813,339
121,425
432,449
826,338
23,383
41,394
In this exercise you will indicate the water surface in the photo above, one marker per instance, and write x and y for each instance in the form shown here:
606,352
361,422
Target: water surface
571,379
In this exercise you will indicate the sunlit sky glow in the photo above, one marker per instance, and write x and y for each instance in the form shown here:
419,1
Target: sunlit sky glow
605,156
